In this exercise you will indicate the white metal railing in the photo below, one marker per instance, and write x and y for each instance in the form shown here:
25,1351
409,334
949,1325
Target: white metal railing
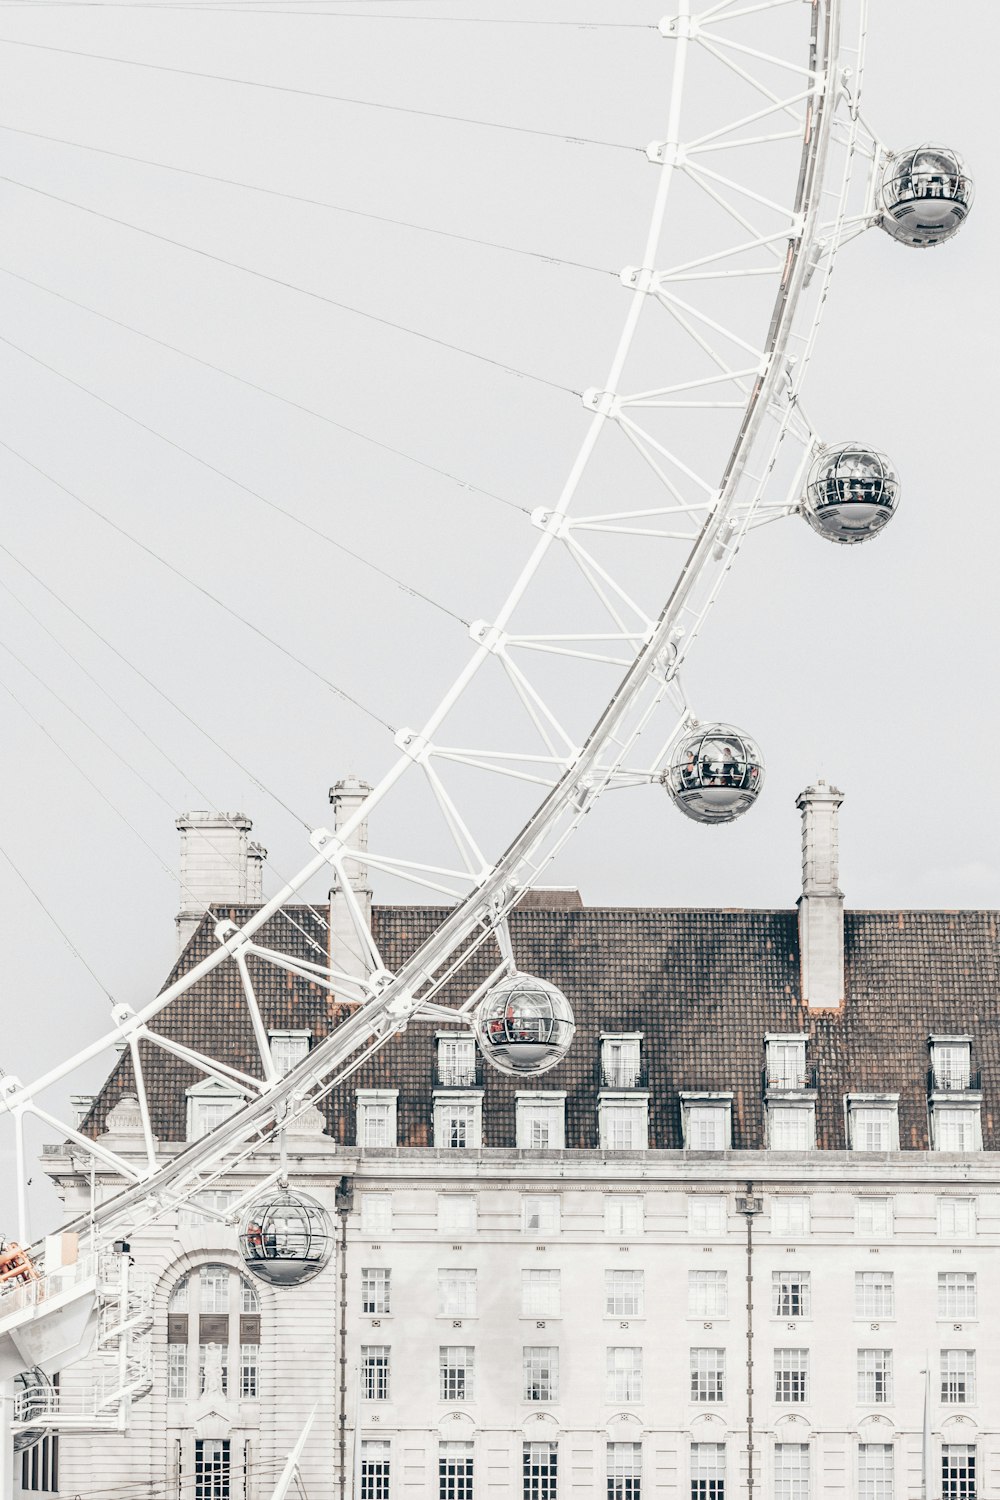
27,1294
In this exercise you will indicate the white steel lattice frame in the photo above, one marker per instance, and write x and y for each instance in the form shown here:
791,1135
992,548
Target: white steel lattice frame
711,514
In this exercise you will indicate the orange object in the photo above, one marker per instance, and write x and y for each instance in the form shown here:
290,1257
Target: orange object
15,1265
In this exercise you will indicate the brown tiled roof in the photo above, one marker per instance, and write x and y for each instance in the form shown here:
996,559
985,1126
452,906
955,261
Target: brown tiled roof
703,987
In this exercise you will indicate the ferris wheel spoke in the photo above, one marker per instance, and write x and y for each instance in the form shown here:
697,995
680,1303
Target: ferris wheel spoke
538,710
629,425
655,397
699,170
747,10
327,977
548,648
593,578
747,77
671,299
470,853
768,57
758,242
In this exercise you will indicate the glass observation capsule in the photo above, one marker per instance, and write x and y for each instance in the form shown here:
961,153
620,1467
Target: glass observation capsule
32,1393
924,195
285,1237
524,1025
716,773
850,494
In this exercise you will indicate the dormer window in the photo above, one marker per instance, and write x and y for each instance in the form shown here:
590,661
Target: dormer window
288,1048
872,1122
456,1061
621,1061
208,1104
951,1064
706,1120
785,1063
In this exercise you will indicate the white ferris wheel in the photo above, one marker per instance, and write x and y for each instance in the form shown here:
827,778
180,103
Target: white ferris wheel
697,432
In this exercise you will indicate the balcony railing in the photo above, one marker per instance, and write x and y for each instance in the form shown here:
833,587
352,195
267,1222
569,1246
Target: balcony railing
459,1075
788,1080
953,1081
622,1076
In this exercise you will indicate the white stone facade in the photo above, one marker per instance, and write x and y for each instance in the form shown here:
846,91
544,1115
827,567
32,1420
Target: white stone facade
850,1253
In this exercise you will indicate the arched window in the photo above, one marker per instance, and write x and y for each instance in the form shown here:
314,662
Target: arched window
213,1335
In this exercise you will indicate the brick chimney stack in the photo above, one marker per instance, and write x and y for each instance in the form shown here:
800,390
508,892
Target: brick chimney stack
346,796
219,866
821,905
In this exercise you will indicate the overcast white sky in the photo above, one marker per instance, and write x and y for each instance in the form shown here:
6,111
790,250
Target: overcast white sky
870,666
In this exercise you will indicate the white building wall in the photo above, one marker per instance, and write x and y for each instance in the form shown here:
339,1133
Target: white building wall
300,1349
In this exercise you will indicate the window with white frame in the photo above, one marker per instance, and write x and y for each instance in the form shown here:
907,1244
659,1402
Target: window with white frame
874,1377
708,1471
213,1328
376,1109
958,1471
375,1372
874,1218
624,1369
791,1376
375,1461
706,1122
957,1218
708,1294
791,1127
177,1371
540,1467
621,1061
791,1471
708,1375
875,1471
623,1123
624,1471
457,1292
214,1284
206,1207
540,1215
706,1215
958,1376
208,1104
785,1060
872,1125
456,1213
623,1293
791,1294
456,1061
622,1216
457,1122
455,1366
455,1471
288,1048
540,1368
874,1294
789,1218
956,1294
540,1293
540,1121
249,1368
375,1290
956,1127
376,1214
951,1062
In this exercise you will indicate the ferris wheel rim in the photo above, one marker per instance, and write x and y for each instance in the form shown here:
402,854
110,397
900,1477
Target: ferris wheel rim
494,894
